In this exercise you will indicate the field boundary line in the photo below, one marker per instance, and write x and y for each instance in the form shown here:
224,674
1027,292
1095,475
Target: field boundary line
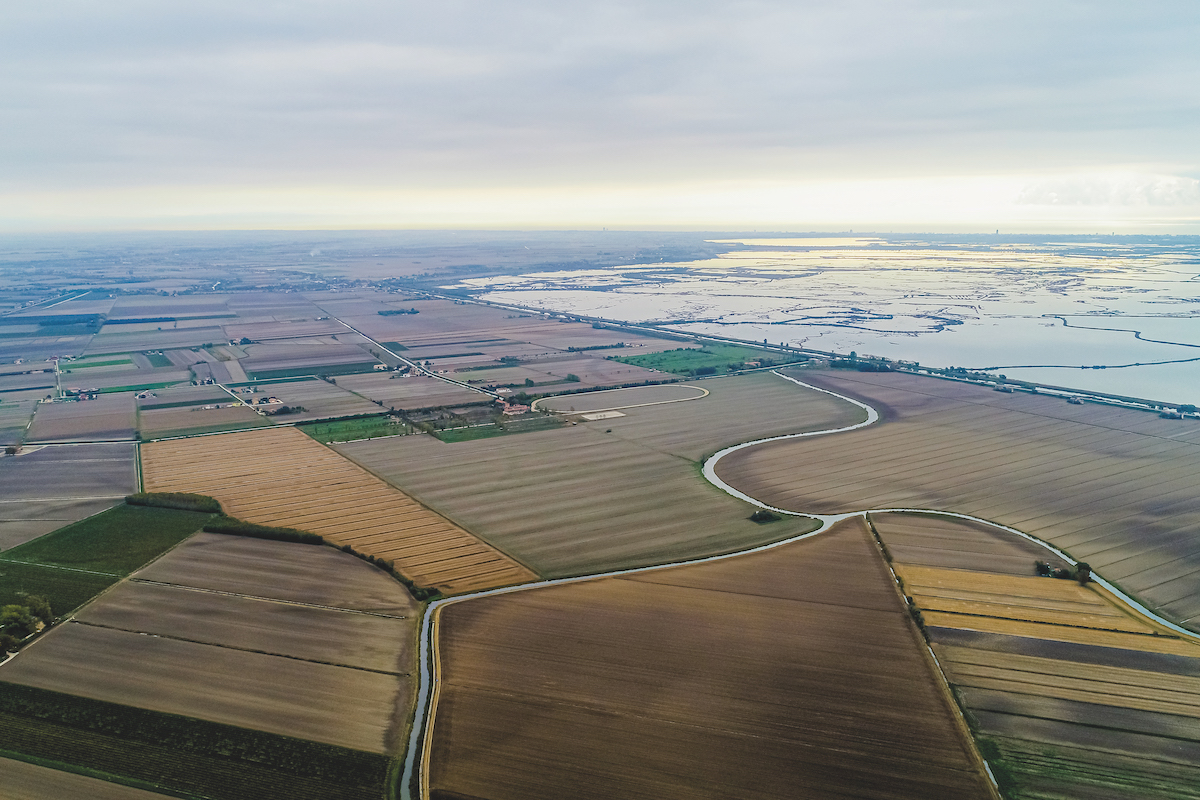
278,600
534,405
59,566
235,648
66,499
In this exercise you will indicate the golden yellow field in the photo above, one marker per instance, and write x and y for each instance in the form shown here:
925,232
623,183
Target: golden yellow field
282,477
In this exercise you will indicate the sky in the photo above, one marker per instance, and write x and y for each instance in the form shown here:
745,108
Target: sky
1056,116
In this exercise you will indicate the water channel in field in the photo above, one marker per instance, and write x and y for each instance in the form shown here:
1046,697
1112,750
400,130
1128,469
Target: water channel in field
1050,312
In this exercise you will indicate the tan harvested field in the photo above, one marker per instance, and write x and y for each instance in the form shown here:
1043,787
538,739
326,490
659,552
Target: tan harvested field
156,423
22,781
958,544
282,477
1112,487
623,398
1066,680
1031,599
405,393
1073,695
337,705
579,499
111,416
1062,633
794,672
294,639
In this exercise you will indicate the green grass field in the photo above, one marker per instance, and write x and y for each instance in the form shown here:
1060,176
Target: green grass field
73,564
488,431
158,360
718,357
186,757
65,589
139,387
329,369
81,364
350,430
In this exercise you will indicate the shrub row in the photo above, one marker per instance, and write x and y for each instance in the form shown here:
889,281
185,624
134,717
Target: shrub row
180,501
236,527
419,593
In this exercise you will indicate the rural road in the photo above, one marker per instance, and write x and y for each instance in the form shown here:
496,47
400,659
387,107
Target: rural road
421,738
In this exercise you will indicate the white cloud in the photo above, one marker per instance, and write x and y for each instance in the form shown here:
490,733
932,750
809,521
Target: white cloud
1113,190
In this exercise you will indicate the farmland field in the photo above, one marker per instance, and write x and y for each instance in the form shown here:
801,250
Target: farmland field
581,499
1069,693
749,678
286,638
158,423
181,756
686,360
107,417
74,563
622,398
416,391
319,399
1110,486
282,477
22,781
46,488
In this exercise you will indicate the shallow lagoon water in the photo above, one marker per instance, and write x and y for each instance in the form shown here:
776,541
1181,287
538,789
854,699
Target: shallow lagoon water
1037,312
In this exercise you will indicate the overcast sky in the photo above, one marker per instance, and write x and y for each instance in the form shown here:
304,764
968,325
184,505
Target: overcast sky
1072,116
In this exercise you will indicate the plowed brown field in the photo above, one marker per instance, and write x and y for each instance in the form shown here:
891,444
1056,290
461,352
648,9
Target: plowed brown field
282,477
1113,487
790,673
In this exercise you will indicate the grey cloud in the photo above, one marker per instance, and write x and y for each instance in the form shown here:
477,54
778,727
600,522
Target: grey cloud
127,93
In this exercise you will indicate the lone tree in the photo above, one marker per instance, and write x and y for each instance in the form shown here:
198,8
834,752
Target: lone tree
1083,572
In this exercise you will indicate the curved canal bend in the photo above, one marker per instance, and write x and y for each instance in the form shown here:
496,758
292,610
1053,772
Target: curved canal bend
421,737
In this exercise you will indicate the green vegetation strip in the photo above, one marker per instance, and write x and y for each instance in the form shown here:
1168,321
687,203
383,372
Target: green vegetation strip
74,365
236,527
349,430
73,564
139,387
329,369
180,501
710,359
159,360
488,431
184,756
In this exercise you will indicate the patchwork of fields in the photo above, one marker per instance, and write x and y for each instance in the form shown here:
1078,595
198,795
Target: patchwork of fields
282,477
613,493
795,670
44,489
1069,692
111,416
1110,486
318,646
